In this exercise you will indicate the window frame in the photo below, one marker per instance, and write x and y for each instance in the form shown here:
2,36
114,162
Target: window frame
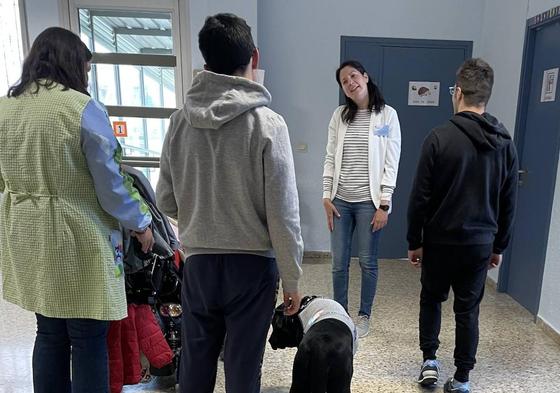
180,59
23,26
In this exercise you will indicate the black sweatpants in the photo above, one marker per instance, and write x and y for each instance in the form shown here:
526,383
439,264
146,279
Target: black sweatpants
464,269
226,293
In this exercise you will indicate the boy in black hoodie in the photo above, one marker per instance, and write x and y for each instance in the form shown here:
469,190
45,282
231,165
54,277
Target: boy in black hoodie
460,218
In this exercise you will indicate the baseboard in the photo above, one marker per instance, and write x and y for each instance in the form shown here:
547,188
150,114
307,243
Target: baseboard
549,330
325,256
317,254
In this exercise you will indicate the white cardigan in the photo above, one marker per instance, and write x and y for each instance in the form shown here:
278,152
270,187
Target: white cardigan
384,150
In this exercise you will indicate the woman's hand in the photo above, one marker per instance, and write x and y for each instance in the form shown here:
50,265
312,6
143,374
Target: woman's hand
146,239
379,220
331,211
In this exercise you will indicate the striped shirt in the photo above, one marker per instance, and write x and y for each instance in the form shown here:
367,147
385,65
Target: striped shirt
353,183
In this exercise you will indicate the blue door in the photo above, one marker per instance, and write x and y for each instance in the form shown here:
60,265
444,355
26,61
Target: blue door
393,63
538,140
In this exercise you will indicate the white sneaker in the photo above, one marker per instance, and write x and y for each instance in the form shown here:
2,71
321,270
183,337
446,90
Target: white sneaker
362,326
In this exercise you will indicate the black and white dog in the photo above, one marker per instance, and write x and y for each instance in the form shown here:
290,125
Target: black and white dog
326,340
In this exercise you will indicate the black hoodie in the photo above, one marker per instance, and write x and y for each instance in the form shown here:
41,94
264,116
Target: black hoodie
465,188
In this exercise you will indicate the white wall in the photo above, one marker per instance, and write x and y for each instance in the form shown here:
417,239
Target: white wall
40,15
300,49
501,45
537,6
503,34
200,9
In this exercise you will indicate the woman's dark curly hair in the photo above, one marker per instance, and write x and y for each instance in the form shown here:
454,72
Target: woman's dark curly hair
57,56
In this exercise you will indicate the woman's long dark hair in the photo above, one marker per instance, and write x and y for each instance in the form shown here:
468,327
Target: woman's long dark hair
376,100
57,56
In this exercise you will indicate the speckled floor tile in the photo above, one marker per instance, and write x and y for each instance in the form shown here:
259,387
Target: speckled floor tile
514,356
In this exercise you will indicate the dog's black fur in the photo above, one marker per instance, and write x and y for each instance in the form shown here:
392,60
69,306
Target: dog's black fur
324,359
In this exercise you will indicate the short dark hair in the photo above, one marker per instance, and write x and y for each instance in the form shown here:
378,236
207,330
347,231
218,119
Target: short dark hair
56,56
475,77
226,43
376,101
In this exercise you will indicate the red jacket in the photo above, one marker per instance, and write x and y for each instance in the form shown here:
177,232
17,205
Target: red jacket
139,332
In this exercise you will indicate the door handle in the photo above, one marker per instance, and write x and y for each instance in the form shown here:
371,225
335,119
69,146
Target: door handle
522,173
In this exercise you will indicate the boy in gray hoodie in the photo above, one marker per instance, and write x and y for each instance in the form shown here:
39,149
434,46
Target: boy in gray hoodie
227,176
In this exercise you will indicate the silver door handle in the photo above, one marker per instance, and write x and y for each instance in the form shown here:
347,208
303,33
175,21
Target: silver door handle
522,174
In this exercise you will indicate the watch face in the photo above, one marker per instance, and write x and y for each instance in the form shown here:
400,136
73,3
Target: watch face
384,207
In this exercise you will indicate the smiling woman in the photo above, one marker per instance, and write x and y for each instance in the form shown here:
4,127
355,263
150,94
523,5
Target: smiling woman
11,44
360,173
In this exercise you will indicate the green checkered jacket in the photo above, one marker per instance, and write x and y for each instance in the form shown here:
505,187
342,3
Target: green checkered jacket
56,254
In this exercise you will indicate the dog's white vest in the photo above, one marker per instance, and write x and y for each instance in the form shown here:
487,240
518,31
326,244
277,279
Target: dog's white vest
320,309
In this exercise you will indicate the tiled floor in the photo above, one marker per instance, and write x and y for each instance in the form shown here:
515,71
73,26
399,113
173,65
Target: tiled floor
514,355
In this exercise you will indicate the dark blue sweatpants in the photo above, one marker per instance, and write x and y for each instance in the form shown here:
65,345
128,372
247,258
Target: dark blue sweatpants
226,293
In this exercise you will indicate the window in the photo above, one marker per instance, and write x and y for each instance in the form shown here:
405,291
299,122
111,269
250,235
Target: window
136,69
11,44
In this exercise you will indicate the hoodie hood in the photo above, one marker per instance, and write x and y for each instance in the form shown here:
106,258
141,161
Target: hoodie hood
215,99
485,131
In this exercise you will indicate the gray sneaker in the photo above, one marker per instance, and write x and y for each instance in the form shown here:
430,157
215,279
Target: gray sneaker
362,326
453,386
429,374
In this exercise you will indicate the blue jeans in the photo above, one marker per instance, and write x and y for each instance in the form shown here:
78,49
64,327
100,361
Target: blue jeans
59,340
354,217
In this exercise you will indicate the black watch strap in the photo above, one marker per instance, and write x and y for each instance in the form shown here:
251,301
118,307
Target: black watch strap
385,208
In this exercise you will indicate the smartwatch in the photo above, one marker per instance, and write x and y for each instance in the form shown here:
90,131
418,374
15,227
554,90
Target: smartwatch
385,208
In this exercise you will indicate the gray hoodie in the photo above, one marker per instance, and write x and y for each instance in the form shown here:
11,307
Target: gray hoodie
227,175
